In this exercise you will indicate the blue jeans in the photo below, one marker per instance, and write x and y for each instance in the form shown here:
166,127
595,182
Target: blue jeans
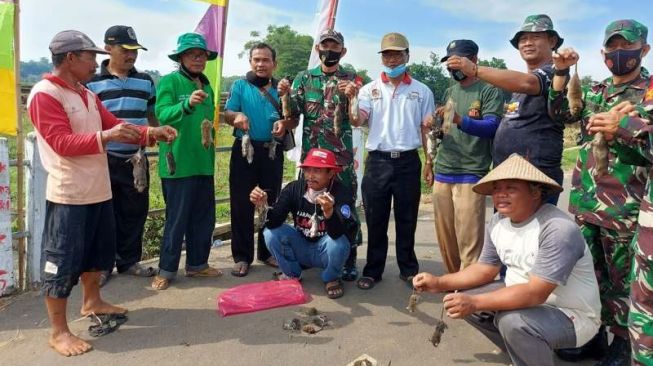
292,251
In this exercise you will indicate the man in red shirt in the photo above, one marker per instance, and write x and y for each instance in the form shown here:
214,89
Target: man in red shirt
73,128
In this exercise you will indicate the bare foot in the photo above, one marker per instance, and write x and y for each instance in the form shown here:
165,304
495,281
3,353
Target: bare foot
68,344
101,307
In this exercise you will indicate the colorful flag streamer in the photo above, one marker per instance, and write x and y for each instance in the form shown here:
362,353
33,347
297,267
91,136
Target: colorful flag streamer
213,27
8,109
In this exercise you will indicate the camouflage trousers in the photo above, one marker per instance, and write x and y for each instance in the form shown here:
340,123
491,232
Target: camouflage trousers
640,318
348,178
612,255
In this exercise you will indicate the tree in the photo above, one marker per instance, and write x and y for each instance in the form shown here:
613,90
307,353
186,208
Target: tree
155,75
32,71
293,49
228,81
432,74
497,63
587,81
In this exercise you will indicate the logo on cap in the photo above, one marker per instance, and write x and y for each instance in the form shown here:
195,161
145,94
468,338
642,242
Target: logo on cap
452,45
320,154
131,33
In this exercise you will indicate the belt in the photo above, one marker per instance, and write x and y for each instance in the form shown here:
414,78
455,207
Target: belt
393,154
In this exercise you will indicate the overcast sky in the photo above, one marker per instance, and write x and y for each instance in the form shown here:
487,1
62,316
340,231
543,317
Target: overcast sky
429,25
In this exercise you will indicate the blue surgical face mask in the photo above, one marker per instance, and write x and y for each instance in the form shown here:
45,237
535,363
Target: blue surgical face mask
394,72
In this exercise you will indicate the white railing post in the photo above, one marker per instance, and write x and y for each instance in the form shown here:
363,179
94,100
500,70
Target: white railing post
35,189
7,276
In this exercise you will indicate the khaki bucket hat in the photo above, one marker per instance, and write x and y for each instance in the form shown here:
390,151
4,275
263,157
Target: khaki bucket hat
515,167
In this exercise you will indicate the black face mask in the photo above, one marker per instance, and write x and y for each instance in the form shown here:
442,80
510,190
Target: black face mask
330,58
457,75
258,81
621,62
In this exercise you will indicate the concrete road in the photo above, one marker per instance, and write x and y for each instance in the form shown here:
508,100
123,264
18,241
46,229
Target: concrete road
180,326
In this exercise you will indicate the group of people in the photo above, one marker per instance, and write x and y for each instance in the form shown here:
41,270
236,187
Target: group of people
533,280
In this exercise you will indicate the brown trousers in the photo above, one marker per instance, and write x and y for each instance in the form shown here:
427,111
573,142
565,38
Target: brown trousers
459,224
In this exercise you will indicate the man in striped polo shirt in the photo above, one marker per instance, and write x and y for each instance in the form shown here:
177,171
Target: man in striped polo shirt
130,96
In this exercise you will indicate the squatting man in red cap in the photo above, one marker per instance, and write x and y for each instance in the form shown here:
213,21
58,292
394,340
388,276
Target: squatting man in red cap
323,222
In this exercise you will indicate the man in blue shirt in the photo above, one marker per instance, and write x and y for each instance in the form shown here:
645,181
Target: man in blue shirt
253,111
130,96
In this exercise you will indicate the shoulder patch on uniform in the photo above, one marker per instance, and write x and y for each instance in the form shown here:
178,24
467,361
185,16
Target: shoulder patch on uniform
345,211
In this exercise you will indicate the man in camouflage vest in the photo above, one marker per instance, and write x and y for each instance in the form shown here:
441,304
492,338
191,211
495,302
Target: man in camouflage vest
607,190
320,94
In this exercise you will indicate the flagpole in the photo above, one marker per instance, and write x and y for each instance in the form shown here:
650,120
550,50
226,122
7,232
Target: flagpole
20,151
332,21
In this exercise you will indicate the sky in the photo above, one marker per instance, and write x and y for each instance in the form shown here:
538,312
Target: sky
429,26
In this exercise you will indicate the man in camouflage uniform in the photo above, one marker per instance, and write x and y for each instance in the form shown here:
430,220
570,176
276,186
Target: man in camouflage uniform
606,204
320,94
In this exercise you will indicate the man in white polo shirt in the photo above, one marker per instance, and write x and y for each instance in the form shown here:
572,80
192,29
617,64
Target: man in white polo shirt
393,106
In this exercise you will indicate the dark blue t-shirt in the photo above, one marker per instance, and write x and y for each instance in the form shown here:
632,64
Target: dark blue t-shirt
527,129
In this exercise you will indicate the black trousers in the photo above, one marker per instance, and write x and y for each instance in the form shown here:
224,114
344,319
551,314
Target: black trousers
130,210
243,177
387,180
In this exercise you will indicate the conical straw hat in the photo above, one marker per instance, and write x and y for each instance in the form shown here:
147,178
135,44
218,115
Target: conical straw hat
515,167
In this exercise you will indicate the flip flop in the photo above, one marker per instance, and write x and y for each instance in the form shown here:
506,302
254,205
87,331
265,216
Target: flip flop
334,289
365,283
105,324
139,270
159,283
206,272
241,269
271,261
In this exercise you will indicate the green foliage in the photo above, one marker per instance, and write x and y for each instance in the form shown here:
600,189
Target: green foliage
293,49
152,235
587,81
433,75
31,71
228,81
497,63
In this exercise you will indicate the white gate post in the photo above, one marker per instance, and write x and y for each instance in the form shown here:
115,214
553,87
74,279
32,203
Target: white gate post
7,277
35,189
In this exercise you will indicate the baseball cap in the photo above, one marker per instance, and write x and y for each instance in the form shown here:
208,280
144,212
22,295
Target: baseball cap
72,40
630,29
394,42
332,35
124,36
461,47
320,158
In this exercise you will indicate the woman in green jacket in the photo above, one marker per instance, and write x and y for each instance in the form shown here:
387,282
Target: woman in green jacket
184,101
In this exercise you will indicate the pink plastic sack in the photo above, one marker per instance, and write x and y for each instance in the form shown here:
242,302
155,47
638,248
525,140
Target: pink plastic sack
252,297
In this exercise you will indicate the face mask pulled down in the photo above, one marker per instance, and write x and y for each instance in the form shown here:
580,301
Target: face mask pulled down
394,72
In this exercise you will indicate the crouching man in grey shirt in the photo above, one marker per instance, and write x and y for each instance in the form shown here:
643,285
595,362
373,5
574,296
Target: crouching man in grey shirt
550,297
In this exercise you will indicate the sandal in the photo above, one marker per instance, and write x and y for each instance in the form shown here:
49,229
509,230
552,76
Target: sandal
206,272
349,273
241,269
334,289
365,283
160,283
280,276
140,270
271,261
